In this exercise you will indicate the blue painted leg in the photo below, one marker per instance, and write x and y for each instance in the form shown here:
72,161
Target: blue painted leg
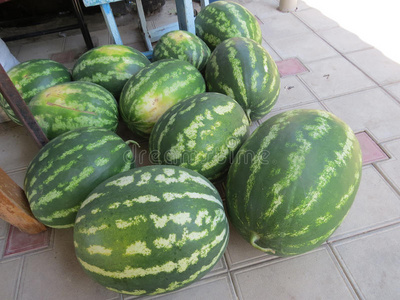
110,21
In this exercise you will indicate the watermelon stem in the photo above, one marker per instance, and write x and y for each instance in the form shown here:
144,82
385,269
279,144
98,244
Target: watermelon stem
130,142
254,239
248,112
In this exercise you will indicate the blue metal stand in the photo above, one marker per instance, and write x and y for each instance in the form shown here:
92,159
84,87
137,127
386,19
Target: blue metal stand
184,9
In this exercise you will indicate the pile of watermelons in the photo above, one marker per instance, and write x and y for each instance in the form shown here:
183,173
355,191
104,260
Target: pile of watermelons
158,228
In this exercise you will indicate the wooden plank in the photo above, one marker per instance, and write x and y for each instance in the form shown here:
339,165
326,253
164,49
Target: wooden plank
20,108
14,207
110,21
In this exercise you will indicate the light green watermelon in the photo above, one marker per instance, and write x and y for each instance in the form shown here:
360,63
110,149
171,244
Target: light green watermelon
109,66
293,181
151,230
72,105
31,77
243,70
201,133
154,89
68,168
182,45
222,20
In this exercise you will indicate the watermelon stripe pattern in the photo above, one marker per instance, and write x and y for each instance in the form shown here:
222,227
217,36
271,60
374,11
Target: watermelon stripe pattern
243,70
182,45
72,105
201,133
32,77
222,20
305,165
109,66
154,89
151,230
66,170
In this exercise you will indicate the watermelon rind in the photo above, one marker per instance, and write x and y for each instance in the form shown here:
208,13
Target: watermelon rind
244,70
151,230
202,133
222,20
182,45
154,89
293,181
73,105
109,66
31,77
68,168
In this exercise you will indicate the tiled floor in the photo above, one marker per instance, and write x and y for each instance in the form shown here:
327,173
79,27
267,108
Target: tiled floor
322,66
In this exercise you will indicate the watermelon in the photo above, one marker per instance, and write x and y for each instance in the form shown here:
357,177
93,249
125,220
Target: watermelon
201,133
109,66
154,89
222,20
31,77
72,105
293,181
182,45
151,230
68,168
243,70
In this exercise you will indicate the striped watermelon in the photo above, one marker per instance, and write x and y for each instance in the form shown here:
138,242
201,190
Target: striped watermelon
201,133
109,66
151,230
72,105
222,20
68,168
182,45
33,76
149,93
243,70
293,181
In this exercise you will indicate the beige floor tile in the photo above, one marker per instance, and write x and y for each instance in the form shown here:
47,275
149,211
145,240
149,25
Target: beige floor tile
314,275
307,47
56,274
315,19
366,212
372,262
342,40
215,288
393,90
9,272
282,25
42,49
240,253
17,147
263,9
314,105
271,51
18,177
391,168
293,93
372,109
376,65
3,229
335,76
100,37
130,34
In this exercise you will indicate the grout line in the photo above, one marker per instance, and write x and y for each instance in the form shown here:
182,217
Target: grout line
19,279
236,289
352,285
